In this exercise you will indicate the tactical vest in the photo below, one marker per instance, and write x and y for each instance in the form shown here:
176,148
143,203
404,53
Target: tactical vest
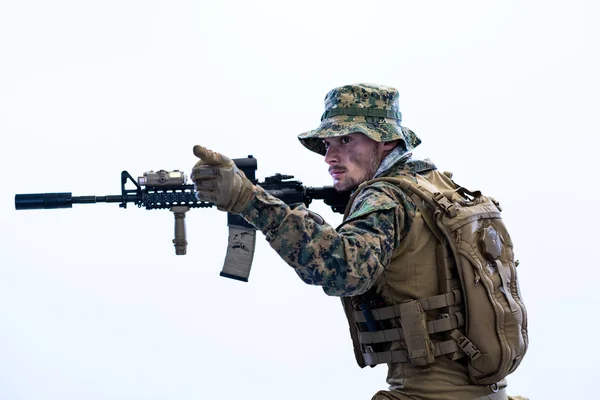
450,290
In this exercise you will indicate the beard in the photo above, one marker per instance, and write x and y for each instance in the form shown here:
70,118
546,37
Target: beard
370,165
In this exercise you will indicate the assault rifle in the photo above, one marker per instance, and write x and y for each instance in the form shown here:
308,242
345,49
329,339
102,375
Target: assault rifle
170,190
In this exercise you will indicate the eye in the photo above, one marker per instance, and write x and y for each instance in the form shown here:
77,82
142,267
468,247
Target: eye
326,144
346,139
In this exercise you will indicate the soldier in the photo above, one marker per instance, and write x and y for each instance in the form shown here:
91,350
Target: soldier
382,254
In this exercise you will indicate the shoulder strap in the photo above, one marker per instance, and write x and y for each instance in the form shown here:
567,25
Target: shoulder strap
418,196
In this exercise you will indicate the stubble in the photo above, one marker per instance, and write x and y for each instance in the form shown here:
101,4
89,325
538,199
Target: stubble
371,165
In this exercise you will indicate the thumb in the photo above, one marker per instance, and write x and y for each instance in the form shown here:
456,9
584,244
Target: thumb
211,157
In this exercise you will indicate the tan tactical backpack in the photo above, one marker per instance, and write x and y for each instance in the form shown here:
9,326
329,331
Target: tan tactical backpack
468,226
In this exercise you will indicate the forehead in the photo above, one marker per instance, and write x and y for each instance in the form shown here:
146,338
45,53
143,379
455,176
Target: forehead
353,135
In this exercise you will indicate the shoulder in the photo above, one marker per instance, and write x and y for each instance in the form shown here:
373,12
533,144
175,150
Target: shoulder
379,196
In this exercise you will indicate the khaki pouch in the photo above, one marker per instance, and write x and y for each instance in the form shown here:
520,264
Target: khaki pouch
420,349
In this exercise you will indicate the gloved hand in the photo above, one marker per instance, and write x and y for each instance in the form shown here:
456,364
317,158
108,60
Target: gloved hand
219,181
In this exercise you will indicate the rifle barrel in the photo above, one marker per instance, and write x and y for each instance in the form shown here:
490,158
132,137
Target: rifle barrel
104,199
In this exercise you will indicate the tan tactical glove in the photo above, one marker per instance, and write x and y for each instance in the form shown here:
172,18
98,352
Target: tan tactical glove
219,181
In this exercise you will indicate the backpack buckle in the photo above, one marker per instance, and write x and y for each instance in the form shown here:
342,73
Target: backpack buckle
445,204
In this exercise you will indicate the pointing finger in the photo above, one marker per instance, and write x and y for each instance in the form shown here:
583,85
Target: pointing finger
211,157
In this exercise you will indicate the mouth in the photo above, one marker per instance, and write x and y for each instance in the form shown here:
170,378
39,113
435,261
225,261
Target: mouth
335,173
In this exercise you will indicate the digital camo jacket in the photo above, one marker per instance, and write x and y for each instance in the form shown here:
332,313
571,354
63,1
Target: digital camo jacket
347,260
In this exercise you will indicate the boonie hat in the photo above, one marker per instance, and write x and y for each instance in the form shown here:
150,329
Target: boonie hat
370,109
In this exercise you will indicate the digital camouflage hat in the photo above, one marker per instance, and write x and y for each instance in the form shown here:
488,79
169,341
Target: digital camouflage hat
369,109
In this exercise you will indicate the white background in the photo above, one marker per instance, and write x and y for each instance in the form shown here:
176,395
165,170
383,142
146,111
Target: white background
93,302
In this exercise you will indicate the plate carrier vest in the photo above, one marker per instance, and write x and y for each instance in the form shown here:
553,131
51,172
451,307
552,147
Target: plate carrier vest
481,315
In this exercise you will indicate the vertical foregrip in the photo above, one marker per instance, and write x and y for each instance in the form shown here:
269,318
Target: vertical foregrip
180,240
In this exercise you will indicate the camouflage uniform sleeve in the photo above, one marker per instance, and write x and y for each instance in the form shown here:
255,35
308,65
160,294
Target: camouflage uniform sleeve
346,261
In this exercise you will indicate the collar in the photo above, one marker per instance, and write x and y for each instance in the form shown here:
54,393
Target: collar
399,159
398,156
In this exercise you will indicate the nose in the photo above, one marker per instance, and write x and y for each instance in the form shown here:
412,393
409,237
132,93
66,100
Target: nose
331,156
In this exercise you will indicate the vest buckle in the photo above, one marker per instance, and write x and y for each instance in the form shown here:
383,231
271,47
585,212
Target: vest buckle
466,345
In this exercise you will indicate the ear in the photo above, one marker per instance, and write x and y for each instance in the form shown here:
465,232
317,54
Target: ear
387,147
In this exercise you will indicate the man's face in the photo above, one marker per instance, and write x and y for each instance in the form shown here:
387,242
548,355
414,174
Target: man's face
353,159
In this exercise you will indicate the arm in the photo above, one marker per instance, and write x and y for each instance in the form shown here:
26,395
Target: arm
345,261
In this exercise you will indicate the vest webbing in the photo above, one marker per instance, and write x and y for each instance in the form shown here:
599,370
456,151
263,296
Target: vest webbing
429,303
401,356
448,323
